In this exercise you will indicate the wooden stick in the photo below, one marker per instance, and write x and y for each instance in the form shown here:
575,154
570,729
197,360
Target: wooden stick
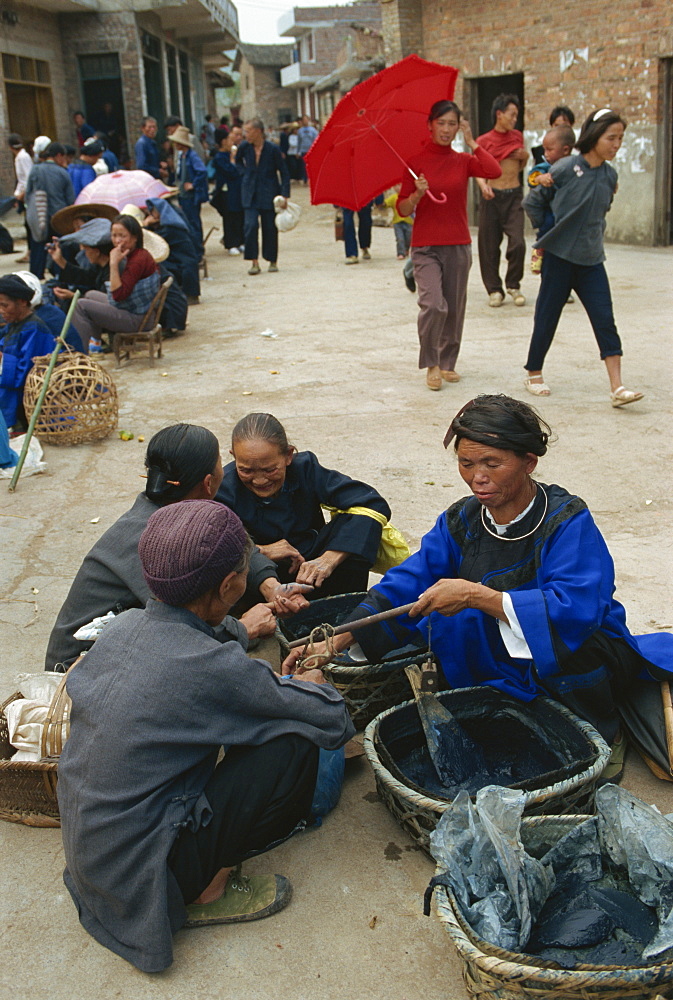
668,720
60,343
360,622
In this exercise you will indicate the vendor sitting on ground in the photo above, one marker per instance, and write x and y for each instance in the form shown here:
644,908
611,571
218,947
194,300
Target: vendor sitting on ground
150,821
277,492
22,338
182,462
514,588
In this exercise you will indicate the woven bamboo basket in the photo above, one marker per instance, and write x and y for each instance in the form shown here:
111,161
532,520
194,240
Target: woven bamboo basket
80,404
367,688
492,973
28,788
418,813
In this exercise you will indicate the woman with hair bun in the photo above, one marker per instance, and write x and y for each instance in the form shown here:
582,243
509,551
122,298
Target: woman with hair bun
183,463
516,584
279,495
441,244
580,198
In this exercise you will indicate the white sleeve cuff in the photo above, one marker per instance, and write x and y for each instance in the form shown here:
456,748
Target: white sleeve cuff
512,634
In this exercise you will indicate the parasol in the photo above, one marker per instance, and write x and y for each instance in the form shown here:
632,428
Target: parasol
374,130
123,187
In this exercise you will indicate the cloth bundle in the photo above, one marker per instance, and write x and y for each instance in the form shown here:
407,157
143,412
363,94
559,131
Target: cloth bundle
286,217
26,716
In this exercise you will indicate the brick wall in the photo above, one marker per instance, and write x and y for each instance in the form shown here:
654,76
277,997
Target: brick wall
87,34
584,53
263,97
401,22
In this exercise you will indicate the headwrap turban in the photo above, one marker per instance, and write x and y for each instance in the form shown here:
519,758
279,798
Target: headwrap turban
501,422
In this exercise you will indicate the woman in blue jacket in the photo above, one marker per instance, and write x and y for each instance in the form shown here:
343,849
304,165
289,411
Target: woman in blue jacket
22,338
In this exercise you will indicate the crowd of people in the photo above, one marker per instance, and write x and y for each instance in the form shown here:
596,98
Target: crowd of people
515,581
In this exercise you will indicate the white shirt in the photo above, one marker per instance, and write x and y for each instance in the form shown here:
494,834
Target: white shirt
512,634
22,167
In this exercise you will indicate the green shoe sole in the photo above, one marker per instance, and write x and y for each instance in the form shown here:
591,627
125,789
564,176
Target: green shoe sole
245,898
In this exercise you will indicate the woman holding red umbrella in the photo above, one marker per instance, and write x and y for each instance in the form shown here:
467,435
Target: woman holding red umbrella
441,243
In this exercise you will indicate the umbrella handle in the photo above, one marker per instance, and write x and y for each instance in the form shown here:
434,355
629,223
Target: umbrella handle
433,197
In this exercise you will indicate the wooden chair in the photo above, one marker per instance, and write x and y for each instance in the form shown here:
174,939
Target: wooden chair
149,331
203,263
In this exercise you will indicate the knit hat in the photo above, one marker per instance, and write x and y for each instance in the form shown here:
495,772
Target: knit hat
188,548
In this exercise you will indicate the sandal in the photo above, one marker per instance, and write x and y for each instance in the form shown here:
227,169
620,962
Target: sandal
433,379
622,396
537,388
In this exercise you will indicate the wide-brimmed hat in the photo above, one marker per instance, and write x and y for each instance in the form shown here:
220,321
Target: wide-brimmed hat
152,242
63,221
181,135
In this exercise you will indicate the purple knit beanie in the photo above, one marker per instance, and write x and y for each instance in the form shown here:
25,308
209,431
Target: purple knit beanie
188,548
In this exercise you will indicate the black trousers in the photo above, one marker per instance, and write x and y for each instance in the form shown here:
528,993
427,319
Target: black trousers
232,226
251,219
258,796
498,217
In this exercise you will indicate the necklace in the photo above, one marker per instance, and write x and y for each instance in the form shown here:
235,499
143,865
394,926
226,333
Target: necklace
504,538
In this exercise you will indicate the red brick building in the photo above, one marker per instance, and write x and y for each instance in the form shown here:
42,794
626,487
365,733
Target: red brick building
320,33
584,53
59,56
262,95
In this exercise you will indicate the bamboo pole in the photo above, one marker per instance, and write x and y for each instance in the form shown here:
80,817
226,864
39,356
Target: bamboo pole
360,622
60,342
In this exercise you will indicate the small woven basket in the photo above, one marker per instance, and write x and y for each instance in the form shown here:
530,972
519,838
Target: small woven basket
418,813
28,788
80,403
491,972
367,688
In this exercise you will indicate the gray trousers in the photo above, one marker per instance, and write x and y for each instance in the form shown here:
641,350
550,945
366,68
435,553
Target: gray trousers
93,314
441,274
498,217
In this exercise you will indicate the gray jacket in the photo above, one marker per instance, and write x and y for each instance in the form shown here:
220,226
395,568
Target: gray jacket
111,579
152,704
580,198
53,179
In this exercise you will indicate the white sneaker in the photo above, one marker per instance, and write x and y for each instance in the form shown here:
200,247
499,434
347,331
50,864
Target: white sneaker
517,295
496,299
234,252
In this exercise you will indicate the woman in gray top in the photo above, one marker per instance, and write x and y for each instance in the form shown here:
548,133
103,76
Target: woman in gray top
580,197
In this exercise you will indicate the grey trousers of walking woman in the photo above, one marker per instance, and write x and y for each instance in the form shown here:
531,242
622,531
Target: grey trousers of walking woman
93,314
441,274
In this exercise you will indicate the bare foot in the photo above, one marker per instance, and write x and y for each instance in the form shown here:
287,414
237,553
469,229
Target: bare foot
216,888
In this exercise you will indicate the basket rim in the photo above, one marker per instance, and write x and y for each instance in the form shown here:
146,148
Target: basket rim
557,790
447,910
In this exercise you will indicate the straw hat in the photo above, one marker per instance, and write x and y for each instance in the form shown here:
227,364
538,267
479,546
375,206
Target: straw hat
182,135
63,222
152,242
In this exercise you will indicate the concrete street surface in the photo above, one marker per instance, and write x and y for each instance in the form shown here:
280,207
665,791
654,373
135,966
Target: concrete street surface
341,375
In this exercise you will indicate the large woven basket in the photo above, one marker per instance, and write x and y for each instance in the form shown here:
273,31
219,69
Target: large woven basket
28,788
418,813
367,688
80,403
491,972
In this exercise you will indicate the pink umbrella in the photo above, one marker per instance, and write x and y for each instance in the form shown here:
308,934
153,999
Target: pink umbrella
123,187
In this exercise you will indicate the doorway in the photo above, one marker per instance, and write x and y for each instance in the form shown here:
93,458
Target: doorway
483,91
103,98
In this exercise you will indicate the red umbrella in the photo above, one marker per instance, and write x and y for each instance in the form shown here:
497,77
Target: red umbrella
374,129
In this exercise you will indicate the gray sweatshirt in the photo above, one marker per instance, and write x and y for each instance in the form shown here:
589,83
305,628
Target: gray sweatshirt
152,703
580,198
111,579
